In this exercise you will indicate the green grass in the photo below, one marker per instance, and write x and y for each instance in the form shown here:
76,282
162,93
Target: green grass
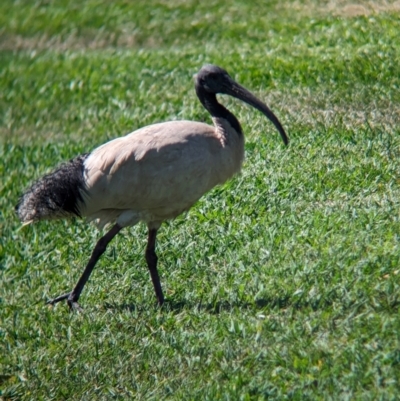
282,284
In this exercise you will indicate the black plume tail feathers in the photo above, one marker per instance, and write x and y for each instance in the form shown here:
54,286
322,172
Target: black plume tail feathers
56,195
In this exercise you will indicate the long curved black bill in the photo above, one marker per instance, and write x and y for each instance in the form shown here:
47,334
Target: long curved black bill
239,92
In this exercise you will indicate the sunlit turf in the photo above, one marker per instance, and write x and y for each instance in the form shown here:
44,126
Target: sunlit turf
281,284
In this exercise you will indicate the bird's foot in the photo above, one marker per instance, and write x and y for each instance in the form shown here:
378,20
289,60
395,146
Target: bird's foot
72,303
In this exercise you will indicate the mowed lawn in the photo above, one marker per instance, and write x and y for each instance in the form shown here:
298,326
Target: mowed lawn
282,284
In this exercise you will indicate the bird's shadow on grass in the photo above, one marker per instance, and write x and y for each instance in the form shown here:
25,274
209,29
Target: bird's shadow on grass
221,305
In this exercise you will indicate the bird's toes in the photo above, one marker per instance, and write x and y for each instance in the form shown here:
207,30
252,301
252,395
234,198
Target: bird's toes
58,299
74,306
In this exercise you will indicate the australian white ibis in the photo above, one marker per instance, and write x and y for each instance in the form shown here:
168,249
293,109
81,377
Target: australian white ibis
150,175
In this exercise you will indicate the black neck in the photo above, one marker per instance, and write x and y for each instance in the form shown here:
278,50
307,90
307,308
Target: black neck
210,103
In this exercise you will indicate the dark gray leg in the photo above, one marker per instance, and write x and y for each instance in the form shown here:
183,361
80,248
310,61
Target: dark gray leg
151,259
73,296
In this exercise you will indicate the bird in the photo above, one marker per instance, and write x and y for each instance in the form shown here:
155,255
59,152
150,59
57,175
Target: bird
151,175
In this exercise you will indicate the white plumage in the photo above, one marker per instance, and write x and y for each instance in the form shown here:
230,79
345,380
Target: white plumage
157,172
150,175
